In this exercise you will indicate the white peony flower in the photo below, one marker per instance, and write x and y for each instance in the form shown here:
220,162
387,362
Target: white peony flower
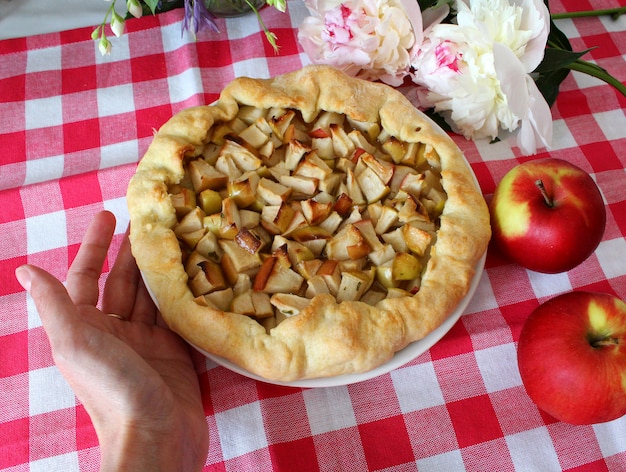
525,101
521,25
476,71
456,66
370,39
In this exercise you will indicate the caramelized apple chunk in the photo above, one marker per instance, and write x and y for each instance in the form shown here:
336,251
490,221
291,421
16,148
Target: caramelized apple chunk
275,211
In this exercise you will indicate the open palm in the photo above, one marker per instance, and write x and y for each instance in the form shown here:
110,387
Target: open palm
134,376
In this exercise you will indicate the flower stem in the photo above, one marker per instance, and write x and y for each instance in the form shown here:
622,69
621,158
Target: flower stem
614,12
271,37
598,72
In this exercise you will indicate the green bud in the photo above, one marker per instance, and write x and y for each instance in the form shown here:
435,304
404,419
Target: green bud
280,5
95,33
104,45
134,8
271,38
117,24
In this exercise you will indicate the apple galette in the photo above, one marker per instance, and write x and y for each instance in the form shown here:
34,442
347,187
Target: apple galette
305,226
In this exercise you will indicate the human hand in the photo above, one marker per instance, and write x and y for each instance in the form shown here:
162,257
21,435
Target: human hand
134,376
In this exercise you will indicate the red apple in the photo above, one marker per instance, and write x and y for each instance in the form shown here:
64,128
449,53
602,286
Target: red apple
547,215
572,357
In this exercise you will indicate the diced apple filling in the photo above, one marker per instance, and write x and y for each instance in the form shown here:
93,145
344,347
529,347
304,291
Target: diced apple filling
274,211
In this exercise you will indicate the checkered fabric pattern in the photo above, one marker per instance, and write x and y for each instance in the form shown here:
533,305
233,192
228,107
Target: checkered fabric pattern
74,124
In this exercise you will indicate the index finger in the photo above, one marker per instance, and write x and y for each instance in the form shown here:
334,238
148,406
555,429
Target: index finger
85,271
124,292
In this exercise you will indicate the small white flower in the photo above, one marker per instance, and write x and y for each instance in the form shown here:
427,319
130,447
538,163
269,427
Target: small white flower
117,24
104,45
134,8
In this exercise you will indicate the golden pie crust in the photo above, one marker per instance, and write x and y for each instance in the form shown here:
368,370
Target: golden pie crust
326,338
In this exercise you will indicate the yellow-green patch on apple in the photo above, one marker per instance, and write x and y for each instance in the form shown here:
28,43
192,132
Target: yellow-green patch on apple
597,317
515,217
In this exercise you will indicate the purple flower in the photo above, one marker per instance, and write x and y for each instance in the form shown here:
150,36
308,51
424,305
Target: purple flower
197,17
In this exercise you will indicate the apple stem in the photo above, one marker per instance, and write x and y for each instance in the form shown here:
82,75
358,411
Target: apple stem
544,193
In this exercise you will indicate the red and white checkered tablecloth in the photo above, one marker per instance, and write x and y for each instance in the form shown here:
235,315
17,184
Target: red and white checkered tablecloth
74,124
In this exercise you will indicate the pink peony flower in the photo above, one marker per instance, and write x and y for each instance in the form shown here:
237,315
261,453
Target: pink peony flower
365,38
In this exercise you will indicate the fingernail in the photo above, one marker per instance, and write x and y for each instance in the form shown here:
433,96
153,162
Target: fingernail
22,274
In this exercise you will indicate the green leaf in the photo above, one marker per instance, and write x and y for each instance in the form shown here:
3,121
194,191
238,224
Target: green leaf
167,5
549,83
152,4
437,118
553,68
555,59
158,6
424,4
557,38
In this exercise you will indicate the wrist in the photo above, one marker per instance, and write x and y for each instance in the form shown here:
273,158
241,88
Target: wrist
137,449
